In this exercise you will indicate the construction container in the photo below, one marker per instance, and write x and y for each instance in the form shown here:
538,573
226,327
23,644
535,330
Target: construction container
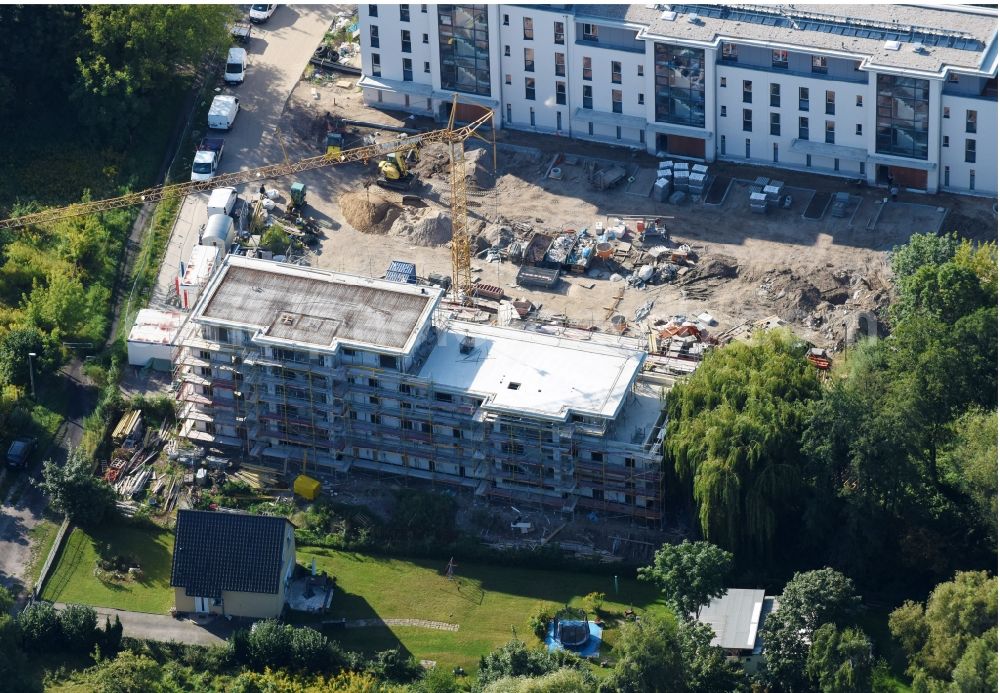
758,203
540,276
307,487
401,272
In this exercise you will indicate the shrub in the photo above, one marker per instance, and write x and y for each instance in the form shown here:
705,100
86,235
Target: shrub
78,624
538,622
594,602
39,627
310,650
270,643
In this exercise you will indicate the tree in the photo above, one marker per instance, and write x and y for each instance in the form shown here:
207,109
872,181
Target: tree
690,574
809,600
128,673
38,625
112,637
6,600
78,624
708,670
14,671
938,638
15,345
58,305
650,658
594,602
437,680
733,439
840,661
972,458
922,249
74,490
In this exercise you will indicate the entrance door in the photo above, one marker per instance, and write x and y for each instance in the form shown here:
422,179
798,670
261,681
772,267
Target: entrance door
201,605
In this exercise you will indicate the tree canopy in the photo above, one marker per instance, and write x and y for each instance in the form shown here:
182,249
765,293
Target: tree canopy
74,490
690,574
840,661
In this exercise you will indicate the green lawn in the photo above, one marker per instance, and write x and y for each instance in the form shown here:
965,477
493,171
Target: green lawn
42,535
73,580
485,601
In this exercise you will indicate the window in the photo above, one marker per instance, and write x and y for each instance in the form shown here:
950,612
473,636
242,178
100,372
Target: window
947,176
775,95
529,88
618,132
509,119
405,39
506,20
642,98
902,110
970,121
376,71
819,64
529,59
639,70
529,29
616,72
829,132
589,32
804,129
373,10
836,164
588,97
531,116
464,42
831,105
348,352
506,51
560,64
561,93
373,35
404,13
730,52
642,137
861,169
747,91
427,67
722,82
426,38
407,70
858,130
372,399
616,100
747,144
776,124
588,70
558,121
946,112
945,141
559,30
590,128
442,397
809,160
779,59
747,120
373,383
680,84
423,8
722,145
722,112
506,79
859,101
774,152
972,179
970,151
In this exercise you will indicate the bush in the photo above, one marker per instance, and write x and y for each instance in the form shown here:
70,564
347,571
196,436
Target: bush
270,644
39,627
393,665
310,650
539,621
594,602
78,624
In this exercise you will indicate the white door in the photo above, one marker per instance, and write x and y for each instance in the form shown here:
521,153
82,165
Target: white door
201,605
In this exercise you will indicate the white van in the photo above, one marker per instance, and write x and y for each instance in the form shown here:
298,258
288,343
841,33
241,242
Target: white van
236,66
222,112
222,201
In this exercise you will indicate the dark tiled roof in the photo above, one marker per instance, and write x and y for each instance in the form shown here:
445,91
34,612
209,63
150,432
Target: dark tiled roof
216,551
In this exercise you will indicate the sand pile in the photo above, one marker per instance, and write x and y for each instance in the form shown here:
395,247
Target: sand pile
430,229
368,213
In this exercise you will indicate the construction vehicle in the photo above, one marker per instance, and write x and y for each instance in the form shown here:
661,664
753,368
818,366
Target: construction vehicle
395,173
296,198
453,137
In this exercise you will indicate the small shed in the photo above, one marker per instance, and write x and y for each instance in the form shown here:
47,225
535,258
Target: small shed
306,486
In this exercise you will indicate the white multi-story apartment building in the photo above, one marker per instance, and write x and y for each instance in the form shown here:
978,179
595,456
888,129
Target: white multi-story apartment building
862,91
293,365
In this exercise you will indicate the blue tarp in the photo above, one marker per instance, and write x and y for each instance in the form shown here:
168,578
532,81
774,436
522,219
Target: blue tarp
589,648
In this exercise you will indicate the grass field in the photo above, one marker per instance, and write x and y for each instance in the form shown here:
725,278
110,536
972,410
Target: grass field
42,536
73,580
485,601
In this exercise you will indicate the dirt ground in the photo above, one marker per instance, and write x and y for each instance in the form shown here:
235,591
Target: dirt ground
815,274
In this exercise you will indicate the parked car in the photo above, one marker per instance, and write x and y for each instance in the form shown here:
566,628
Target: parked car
207,158
19,452
236,66
261,13
222,112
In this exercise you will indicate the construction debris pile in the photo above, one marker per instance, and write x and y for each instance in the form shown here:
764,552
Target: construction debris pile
130,469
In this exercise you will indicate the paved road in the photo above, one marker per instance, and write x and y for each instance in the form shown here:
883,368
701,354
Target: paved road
279,52
167,628
18,518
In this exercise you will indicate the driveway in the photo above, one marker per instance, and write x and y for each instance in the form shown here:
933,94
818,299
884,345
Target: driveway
167,628
278,53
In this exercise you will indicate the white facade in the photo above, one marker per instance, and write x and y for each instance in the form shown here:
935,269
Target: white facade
960,71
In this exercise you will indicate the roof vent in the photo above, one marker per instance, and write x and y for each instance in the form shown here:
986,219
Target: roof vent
468,345
919,48
668,16
694,19
892,45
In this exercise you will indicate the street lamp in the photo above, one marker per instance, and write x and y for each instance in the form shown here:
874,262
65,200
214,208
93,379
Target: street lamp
31,371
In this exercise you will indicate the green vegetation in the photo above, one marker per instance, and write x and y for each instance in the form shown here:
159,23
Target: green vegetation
74,490
80,578
690,574
485,601
42,537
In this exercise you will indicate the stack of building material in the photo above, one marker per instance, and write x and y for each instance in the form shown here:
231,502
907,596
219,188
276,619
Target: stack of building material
663,186
758,202
773,191
682,178
696,184
700,168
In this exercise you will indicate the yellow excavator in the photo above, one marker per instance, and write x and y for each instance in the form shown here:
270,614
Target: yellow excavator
394,170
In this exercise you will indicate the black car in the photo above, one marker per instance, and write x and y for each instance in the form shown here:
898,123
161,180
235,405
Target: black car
19,452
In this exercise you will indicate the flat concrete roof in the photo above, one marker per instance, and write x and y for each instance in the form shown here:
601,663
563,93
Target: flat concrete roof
309,307
735,617
817,30
527,372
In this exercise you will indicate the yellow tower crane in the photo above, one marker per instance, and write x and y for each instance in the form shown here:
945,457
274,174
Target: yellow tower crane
453,136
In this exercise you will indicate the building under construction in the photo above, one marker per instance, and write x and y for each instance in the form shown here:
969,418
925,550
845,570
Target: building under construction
294,365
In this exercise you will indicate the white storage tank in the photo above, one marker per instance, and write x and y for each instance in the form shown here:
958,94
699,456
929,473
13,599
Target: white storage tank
220,232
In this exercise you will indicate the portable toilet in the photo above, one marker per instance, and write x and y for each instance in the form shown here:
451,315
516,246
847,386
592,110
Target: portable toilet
306,486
